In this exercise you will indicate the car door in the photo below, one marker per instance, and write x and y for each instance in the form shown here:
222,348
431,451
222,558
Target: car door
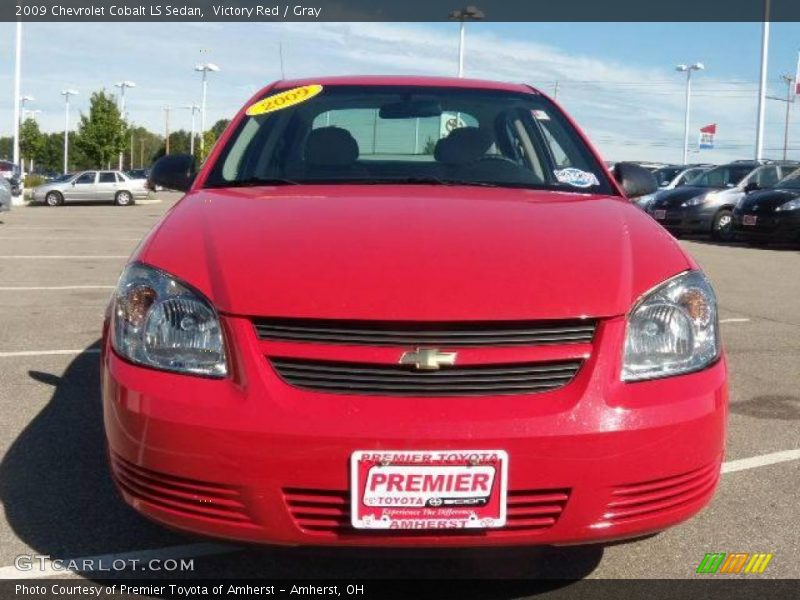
106,187
82,188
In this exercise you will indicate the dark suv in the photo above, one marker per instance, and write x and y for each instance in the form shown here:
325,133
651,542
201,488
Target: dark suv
705,204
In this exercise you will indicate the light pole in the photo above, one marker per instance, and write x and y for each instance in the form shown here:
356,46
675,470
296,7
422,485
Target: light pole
762,84
122,85
205,69
195,109
23,100
20,117
67,94
789,100
469,13
688,70
17,98
167,110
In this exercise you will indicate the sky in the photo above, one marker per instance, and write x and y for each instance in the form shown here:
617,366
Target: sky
617,80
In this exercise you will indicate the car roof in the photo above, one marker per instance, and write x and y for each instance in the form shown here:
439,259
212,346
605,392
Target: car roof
405,80
760,162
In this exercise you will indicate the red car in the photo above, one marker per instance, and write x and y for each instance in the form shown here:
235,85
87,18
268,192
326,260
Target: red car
397,311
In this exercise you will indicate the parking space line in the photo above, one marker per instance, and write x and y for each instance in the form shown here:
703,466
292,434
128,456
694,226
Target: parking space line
48,352
37,288
63,256
735,320
104,561
760,461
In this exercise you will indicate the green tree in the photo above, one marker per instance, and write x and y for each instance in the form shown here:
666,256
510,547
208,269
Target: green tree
52,158
146,145
31,141
6,147
209,139
219,127
103,133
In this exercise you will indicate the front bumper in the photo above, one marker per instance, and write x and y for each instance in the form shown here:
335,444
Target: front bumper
252,458
694,219
774,227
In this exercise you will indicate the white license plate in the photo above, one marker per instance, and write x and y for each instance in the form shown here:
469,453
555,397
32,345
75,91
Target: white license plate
428,489
749,220
660,215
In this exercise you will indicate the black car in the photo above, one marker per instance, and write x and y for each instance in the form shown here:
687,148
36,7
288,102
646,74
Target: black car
705,204
770,215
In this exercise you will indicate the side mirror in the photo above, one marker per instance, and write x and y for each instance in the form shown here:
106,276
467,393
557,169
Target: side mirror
751,187
635,180
174,172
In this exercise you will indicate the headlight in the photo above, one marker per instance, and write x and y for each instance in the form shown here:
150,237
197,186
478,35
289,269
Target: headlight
790,205
698,199
161,322
672,329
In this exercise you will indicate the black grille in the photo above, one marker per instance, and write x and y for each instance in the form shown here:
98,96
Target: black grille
405,333
402,380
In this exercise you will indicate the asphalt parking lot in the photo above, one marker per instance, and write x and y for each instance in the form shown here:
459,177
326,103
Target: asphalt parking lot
57,269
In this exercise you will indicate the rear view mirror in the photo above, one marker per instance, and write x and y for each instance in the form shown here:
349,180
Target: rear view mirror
635,181
174,172
751,187
411,109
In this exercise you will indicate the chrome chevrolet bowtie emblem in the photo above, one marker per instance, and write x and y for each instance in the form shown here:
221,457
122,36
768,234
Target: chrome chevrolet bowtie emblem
428,359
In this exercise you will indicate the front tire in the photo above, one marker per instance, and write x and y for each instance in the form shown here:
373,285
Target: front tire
53,199
722,227
123,199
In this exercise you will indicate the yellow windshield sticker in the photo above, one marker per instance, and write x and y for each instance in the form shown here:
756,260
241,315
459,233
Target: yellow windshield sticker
284,100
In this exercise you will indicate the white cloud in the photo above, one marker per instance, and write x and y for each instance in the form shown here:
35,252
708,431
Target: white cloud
629,111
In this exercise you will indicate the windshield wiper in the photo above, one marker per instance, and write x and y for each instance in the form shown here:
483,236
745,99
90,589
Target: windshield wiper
424,180
256,181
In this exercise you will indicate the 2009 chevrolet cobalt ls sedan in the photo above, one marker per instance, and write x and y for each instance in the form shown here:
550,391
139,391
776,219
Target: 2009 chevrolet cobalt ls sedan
403,311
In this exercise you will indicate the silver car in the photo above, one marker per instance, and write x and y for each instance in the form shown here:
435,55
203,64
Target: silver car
92,186
5,194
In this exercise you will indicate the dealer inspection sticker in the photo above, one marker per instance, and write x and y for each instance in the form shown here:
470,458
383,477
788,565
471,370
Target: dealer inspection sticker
428,489
283,100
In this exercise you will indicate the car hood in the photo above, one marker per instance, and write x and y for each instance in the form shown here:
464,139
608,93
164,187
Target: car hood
675,197
767,199
413,252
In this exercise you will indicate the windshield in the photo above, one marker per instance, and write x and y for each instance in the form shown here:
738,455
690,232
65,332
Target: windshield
666,174
400,134
724,176
790,182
